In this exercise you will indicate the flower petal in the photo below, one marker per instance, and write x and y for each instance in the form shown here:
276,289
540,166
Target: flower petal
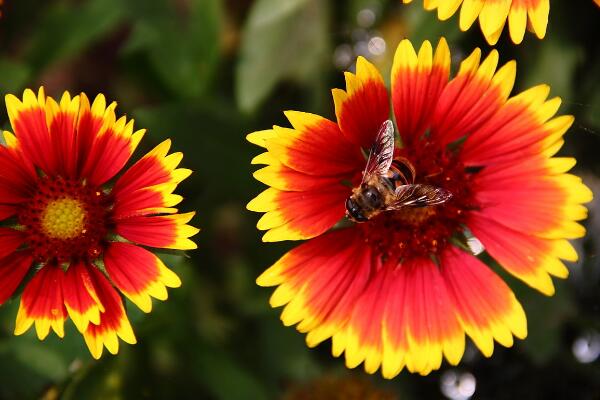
493,15
417,82
295,215
308,168
17,173
7,211
153,169
42,303
61,120
112,147
484,304
113,320
12,271
162,231
138,274
529,258
517,21
284,178
81,300
364,106
157,199
447,8
469,12
10,240
319,282
521,127
92,121
382,315
69,138
472,97
87,139
492,18
532,201
361,337
315,146
419,322
28,120
538,11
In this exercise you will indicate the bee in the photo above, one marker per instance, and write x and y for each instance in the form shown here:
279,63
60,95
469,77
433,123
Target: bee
388,183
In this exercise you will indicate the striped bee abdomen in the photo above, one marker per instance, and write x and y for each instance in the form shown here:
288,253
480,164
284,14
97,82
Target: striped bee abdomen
401,172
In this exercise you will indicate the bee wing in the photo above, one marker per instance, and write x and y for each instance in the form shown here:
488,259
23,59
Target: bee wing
381,153
419,195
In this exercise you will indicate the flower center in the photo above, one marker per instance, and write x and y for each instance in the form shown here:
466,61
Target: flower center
63,219
424,231
414,216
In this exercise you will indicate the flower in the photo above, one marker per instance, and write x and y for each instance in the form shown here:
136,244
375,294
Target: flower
331,387
401,289
493,14
78,225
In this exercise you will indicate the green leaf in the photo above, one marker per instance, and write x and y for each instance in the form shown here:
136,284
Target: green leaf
66,29
226,379
592,111
217,147
41,358
183,50
18,380
545,318
13,76
555,63
102,379
424,25
281,40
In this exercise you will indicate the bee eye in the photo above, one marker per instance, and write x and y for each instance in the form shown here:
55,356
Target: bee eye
351,206
354,211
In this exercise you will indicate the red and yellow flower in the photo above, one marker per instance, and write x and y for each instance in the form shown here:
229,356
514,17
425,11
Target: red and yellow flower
493,14
78,224
401,290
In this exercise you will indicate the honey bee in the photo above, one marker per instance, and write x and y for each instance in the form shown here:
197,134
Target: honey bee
388,182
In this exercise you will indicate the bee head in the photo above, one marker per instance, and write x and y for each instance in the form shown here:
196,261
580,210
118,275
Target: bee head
353,211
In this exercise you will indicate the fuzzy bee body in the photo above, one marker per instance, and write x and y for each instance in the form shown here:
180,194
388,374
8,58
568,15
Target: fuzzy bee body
388,183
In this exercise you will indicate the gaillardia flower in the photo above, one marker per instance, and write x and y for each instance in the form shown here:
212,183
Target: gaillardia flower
402,289
493,14
80,232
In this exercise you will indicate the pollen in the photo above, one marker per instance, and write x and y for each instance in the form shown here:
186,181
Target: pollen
414,216
63,219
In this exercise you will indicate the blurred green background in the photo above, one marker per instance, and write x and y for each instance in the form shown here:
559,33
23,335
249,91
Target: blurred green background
206,73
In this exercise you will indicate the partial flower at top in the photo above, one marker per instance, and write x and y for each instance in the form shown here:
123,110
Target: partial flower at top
400,287
80,226
493,14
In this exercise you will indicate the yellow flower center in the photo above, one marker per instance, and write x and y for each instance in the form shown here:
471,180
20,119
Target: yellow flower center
63,219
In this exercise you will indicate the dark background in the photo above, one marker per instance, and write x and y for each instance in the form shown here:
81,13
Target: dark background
206,73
